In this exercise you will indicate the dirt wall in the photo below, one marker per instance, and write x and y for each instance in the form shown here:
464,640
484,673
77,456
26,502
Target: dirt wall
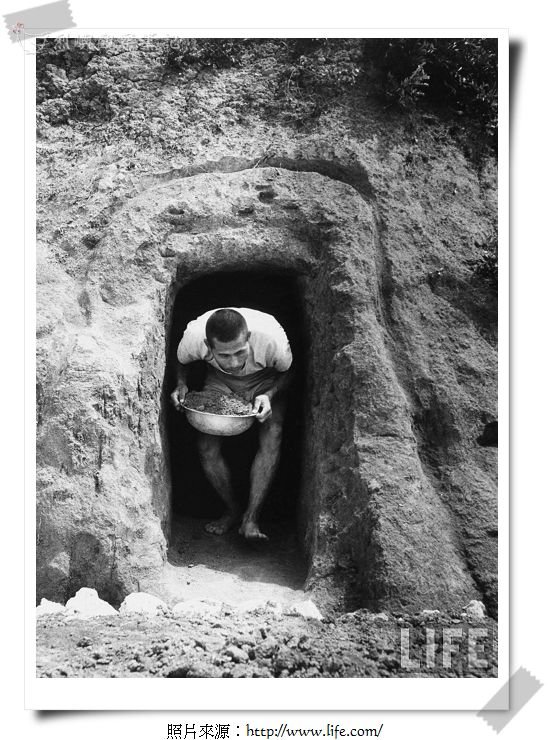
377,222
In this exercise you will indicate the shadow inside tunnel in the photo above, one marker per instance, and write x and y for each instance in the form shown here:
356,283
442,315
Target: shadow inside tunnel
194,501
277,560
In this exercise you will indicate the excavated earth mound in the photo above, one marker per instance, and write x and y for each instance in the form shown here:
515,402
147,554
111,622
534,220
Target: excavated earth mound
228,643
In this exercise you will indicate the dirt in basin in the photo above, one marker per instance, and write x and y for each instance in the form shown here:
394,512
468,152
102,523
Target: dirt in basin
214,402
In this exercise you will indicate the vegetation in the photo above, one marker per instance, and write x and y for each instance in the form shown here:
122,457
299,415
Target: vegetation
456,77
207,53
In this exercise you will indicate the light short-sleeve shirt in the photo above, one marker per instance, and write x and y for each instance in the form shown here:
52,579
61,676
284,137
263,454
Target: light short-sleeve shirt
269,345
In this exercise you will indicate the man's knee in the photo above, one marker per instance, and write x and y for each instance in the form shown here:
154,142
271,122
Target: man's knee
209,447
271,434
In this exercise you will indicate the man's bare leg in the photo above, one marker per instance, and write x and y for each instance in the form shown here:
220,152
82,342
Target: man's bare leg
217,473
263,470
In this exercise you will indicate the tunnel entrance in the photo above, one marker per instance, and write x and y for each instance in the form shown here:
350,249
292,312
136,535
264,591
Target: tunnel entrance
194,501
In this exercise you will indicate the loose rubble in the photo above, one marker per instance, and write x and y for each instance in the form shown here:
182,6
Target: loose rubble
200,639
475,611
48,607
142,603
86,603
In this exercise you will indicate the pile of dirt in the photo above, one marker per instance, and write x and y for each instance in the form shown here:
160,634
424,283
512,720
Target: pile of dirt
215,402
227,643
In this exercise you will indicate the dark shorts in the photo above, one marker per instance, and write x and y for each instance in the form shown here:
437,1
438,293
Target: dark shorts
246,386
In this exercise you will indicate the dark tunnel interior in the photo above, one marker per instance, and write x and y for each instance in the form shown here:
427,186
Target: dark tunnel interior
192,496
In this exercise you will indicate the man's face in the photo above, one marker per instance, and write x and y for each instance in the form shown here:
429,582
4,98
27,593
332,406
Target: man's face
231,356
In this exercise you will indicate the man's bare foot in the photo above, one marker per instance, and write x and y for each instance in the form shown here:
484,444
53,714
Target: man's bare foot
222,525
251,531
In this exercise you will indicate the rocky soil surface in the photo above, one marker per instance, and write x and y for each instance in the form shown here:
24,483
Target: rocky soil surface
210,640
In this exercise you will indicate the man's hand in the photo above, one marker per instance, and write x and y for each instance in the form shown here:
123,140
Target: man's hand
262,408
178,396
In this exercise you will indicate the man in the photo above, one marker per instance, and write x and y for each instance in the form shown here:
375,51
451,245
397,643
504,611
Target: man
248,353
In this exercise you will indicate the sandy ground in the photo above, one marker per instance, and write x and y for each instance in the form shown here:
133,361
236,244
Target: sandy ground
229,569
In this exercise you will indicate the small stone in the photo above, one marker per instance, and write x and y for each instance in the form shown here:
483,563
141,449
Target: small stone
261,672
86,603
430,614
48,607
307,609
135,666
240,671
274,606
475,611
142,603
203,671
267,649
236,654
374,485
211,643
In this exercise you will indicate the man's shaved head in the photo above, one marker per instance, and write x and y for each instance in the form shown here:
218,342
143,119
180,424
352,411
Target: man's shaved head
225,325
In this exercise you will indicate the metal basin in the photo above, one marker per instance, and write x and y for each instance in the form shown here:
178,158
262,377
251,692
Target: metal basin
223,425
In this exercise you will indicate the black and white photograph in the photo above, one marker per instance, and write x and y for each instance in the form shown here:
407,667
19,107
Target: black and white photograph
267,358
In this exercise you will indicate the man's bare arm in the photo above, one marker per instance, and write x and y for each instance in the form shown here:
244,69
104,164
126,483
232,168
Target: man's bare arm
262,403
281,384
178,395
